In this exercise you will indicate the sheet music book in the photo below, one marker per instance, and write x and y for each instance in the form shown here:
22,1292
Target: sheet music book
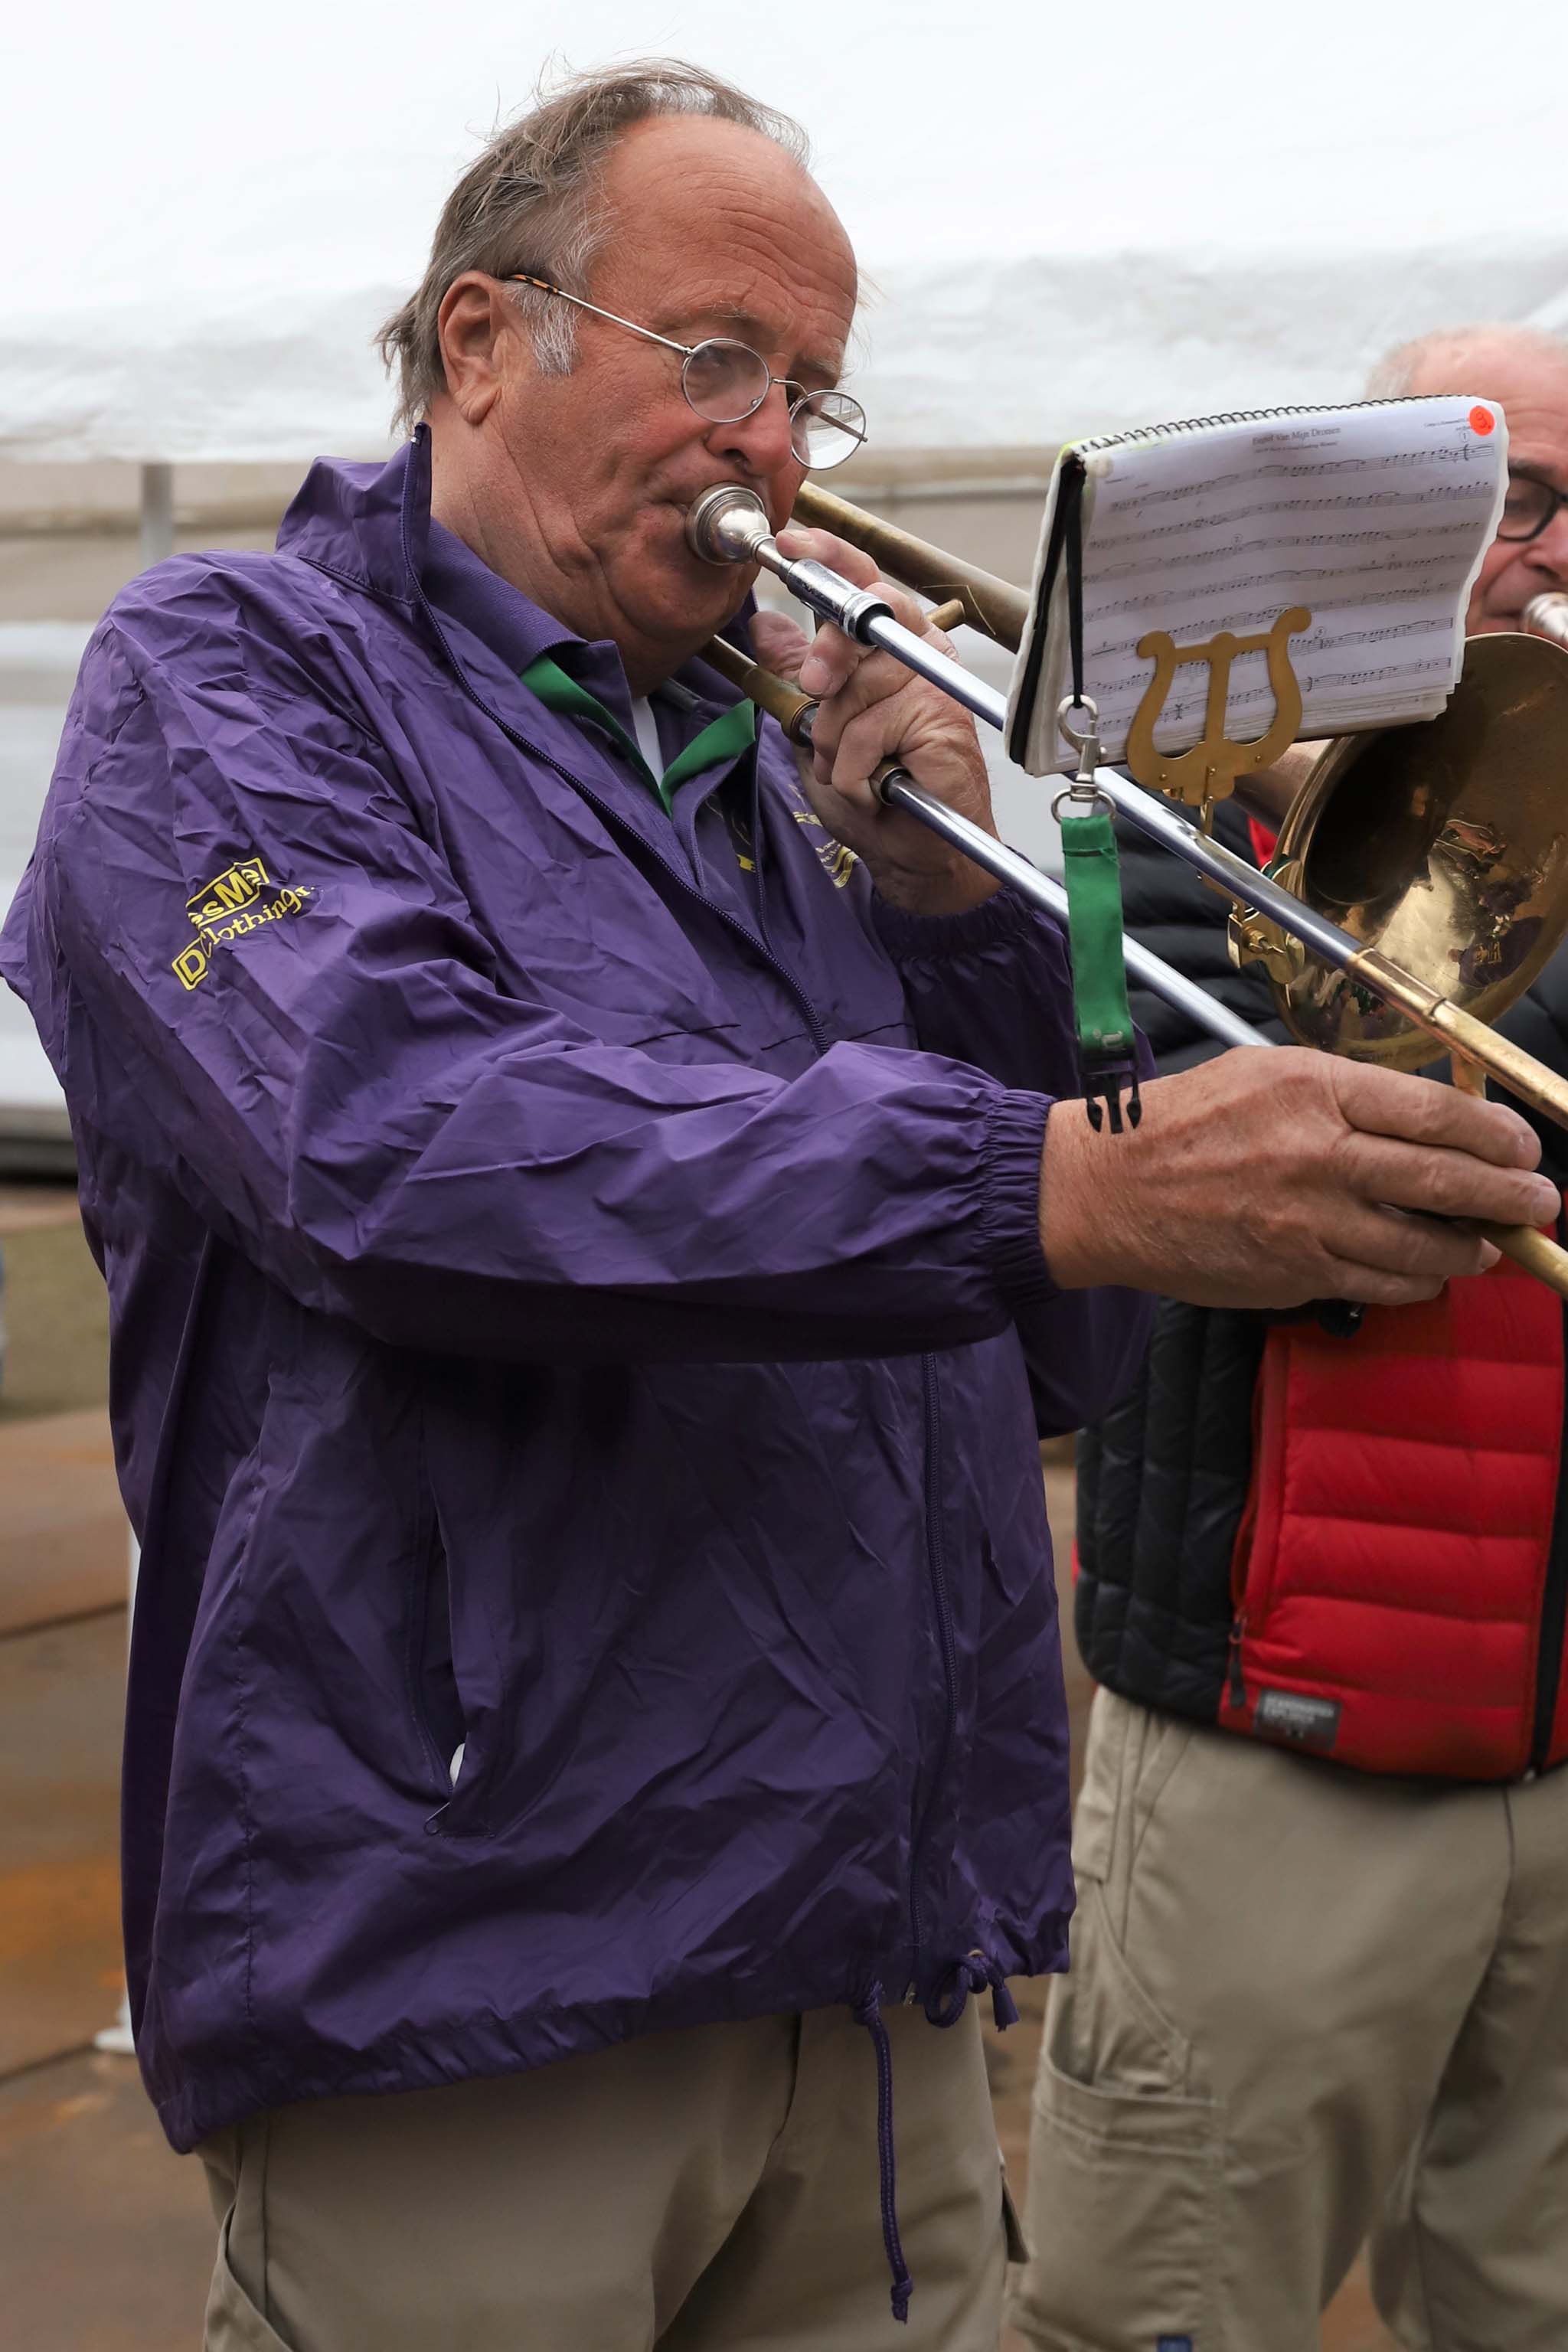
1375,516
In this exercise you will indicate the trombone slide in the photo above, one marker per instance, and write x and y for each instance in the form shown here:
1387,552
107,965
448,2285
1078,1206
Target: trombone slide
728,524
794,711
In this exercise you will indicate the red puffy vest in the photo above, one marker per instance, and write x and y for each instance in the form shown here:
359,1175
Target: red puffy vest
1399,1575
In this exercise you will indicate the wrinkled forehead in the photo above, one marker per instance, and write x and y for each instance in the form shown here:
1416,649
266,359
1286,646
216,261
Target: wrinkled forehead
712,222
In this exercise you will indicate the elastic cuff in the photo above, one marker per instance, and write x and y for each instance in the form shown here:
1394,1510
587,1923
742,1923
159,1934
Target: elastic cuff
907,937
1014,1147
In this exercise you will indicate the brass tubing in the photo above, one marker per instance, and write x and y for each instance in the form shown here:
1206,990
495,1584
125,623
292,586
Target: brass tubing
776,696
1520,1073
1537,1253
992,606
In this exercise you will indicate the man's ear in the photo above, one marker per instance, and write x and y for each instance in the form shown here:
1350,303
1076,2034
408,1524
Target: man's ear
478,328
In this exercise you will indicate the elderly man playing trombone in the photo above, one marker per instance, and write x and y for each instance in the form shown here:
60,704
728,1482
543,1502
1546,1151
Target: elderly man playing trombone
594,1219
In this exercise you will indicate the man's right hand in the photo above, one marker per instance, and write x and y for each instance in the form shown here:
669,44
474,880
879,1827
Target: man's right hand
1268,1179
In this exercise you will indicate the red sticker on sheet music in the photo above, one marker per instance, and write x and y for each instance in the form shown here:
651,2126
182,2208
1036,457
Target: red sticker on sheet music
1481,419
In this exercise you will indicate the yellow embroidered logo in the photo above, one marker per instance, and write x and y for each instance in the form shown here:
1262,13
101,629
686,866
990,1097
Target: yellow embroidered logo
835,859
240,887
228,908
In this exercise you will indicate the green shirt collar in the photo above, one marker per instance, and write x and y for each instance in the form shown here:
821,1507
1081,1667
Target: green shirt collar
724,738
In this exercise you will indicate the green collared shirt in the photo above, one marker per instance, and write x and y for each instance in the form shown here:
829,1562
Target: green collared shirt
724,738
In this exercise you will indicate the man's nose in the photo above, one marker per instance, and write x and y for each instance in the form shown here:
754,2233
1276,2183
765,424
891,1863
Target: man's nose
760,443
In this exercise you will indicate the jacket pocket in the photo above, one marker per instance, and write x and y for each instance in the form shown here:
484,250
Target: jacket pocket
1104,2029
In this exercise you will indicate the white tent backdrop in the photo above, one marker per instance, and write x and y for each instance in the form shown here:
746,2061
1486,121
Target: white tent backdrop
1073,219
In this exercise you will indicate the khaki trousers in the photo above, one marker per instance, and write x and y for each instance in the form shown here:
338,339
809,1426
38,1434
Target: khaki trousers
716,2188
1304,2005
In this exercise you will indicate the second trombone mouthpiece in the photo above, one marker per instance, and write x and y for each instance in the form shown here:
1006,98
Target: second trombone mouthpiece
727,525
1547,616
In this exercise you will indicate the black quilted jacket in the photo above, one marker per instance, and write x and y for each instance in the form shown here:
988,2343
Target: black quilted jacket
1163,1480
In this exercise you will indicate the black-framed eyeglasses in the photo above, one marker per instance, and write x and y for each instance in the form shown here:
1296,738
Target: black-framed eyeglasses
1529,505
725,381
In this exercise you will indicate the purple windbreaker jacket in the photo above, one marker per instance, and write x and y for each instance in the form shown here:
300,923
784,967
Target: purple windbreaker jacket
557,1315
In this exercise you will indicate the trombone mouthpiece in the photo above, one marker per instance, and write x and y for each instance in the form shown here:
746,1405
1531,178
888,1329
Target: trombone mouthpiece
1547,616
727,525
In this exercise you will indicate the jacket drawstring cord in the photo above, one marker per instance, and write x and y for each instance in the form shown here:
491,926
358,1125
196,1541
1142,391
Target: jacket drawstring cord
973,1974
868,2011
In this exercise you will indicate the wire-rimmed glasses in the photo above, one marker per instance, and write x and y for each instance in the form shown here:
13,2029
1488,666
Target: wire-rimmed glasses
725,381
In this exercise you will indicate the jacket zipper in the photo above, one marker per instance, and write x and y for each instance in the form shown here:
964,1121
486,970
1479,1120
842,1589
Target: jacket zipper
935,1553
936,1564
1554,1597
1235,1687
1241,1550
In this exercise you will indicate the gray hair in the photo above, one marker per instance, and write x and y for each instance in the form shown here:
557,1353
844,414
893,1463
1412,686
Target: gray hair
1450,352
530,200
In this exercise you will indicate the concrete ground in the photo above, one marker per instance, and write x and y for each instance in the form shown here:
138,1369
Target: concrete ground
105,2237
105,2244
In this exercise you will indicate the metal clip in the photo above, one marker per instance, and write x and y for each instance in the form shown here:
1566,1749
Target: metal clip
1084,795
1085,741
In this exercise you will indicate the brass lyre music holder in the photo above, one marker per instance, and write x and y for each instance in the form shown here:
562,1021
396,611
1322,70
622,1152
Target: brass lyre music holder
1208,771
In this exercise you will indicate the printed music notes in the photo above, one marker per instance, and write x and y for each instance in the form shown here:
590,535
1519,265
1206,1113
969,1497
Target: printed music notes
1374,517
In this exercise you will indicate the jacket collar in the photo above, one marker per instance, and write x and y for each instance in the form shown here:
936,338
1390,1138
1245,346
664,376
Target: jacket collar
367,524
461,586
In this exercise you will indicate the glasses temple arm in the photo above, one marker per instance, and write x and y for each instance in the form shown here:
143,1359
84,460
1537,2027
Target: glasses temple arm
521,277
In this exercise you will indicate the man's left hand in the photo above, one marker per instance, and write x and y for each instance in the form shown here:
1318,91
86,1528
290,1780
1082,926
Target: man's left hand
873,708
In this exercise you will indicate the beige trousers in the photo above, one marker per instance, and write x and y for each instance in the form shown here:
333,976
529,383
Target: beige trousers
717,2188
1305,2005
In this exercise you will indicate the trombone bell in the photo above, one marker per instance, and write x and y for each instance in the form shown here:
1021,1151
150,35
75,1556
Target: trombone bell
1442,848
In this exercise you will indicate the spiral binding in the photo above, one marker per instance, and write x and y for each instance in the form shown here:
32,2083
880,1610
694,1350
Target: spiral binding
1238,416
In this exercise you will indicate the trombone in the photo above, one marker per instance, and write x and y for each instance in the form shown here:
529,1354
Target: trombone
1496,923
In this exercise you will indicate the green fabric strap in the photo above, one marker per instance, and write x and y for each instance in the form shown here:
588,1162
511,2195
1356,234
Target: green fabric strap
1093,880
724,738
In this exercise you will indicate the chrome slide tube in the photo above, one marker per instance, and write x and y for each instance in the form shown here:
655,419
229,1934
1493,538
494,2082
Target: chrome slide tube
1012,866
